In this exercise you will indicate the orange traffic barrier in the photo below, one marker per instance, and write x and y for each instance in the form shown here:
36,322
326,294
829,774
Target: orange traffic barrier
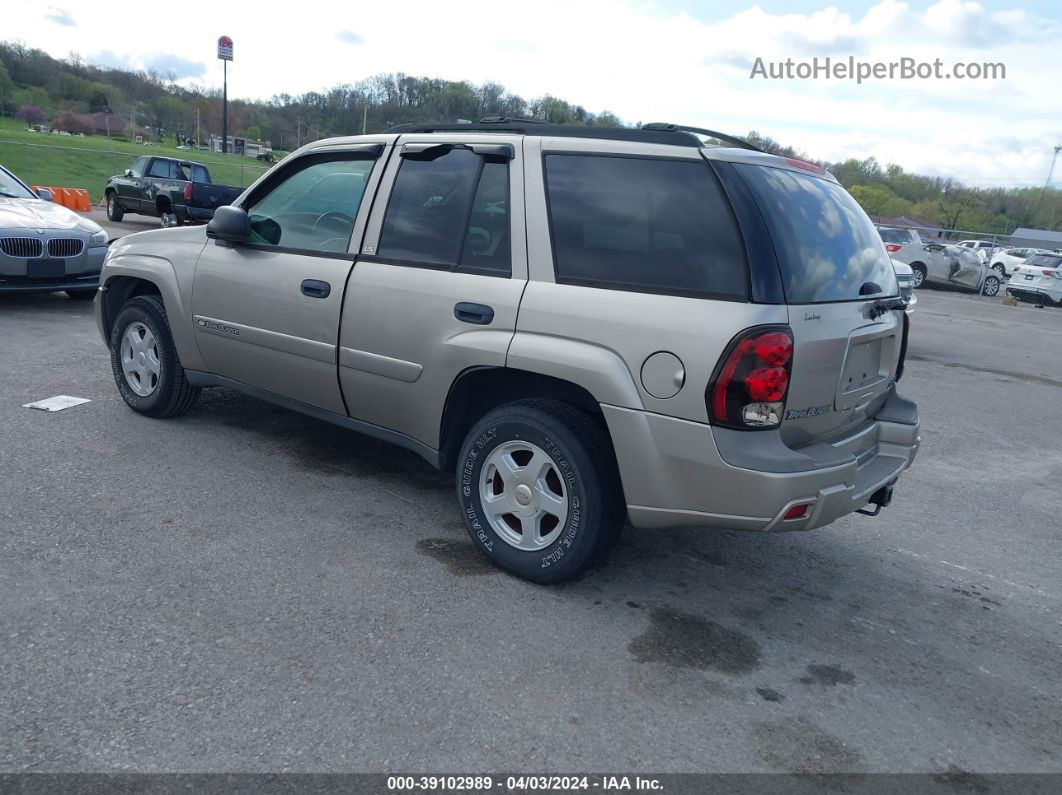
74,198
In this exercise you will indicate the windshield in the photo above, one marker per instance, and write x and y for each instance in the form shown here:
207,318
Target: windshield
12,188
827,247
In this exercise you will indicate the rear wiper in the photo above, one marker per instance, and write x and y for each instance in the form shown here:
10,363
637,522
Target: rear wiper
881,307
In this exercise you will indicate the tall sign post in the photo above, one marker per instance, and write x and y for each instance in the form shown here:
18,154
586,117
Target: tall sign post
225,54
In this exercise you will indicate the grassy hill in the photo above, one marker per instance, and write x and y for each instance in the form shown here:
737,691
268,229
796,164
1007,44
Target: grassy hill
69,161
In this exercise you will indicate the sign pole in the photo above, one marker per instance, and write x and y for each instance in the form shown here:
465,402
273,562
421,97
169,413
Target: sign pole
225,111
225,55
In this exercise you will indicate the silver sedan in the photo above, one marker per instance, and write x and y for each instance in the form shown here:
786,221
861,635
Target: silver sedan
45,247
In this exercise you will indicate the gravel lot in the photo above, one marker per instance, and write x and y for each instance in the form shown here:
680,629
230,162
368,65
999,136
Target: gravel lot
247,589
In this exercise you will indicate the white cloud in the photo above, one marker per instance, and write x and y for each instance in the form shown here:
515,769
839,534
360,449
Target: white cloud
647,64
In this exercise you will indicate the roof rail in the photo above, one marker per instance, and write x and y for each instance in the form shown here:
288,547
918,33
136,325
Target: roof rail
675,136
730,139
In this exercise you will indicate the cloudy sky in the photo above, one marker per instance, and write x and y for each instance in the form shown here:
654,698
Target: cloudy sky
662,60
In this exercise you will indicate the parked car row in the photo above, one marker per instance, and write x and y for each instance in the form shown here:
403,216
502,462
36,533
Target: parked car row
959,266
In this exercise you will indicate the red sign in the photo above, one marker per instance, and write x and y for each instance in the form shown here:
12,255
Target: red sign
225,48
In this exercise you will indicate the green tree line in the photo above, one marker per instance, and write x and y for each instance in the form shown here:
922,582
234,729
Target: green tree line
81,97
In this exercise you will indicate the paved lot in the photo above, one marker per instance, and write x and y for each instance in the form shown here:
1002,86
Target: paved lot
248,589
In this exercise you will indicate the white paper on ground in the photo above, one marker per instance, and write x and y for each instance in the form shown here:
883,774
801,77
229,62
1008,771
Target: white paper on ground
57,403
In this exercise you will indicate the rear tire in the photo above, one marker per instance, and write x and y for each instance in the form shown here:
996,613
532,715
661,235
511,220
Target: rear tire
539,489
144,360
920,274
990,286
998,267
114,209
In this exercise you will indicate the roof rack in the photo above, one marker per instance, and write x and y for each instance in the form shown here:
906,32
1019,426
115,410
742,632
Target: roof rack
655,132
674,137
730,139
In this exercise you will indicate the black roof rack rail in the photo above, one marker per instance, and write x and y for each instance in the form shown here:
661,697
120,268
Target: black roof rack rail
674,137
730,139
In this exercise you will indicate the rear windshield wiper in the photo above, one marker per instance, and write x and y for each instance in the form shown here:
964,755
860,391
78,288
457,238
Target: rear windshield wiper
881,307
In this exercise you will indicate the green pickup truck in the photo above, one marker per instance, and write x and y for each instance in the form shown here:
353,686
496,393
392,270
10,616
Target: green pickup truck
177,191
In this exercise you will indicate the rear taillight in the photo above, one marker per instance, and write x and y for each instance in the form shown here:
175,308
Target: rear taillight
750,384
892,248
188,191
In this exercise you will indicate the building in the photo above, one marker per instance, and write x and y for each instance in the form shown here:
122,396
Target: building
1036,238
249,147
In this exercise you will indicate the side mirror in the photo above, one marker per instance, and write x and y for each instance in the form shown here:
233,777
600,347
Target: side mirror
129,172
230,224
45,195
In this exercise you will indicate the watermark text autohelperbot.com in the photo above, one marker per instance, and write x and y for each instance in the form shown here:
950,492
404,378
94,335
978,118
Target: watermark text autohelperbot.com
850,68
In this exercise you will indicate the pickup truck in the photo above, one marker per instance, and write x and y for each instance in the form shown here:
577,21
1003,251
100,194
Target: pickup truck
177,191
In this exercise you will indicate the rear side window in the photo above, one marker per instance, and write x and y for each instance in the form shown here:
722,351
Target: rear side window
449,210
646,225
827,248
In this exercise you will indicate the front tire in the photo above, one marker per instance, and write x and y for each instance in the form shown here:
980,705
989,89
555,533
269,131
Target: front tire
114,209
539,489
144,360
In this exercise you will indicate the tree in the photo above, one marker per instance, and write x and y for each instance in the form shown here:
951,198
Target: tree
71,122
30,114
7,85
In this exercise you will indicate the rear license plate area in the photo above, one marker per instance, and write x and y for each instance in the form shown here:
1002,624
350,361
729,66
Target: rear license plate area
862,367
1028,277
45,268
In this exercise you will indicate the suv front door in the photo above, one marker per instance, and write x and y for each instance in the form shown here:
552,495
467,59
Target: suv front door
266,313
439,279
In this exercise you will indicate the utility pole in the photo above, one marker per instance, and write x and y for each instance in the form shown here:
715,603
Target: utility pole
364,117
132,125
197,127
298,133
1050,171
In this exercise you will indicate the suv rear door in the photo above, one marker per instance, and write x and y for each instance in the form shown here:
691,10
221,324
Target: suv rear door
438,283
835,273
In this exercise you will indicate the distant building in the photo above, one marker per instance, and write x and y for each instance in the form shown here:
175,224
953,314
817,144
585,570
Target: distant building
104,123
249,147
1036,238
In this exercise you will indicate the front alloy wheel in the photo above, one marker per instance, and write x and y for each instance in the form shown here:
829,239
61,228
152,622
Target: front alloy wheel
140,359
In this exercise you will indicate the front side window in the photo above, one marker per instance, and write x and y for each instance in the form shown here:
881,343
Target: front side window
138,166
164,169
449,209
642,224
313,204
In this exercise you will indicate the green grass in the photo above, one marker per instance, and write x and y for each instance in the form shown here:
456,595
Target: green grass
69,161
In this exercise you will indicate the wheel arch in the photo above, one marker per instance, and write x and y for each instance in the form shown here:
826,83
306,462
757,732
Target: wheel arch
477,390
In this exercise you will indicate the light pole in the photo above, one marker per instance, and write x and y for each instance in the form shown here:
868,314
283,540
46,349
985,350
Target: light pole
1043,190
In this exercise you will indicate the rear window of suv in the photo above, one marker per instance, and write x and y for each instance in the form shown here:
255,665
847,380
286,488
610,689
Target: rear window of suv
1044,261
895,236
645,225
827,247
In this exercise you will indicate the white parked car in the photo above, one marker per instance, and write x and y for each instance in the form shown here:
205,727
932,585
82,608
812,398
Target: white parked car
954,266
1007,259
905,278
1038,280
902,244
983,248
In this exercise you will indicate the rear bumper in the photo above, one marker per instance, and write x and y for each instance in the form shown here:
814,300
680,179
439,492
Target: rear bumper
1034,295
674,474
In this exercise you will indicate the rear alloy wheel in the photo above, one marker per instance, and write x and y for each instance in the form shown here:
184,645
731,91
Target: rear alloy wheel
144,360
169,220
114,209
998,267
539,489
991,285
919,276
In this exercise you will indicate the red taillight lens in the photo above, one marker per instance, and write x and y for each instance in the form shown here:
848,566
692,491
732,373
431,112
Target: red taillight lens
796,512
750,384
892,248
188,191
767,384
